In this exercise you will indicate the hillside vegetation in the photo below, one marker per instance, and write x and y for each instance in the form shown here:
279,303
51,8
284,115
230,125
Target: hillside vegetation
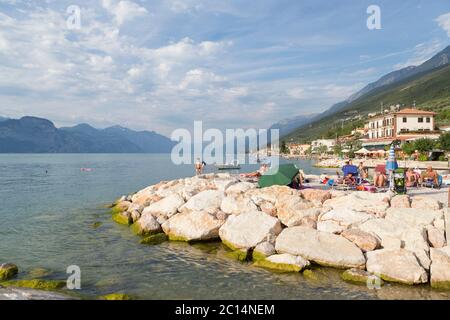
430,91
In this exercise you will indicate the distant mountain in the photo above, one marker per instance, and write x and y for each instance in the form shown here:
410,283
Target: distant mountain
440,59
3,119
286,126
397,87
37,135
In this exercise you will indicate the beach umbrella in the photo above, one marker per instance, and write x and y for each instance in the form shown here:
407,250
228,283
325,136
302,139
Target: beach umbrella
362,151
391,165
280,176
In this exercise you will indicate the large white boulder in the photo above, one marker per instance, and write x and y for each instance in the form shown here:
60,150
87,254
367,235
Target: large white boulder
166,207
364,240
398,265
291,209
205,200
147,224
240,187
323,248
413,217
235,204
345,217
361,201
384,228
248,229
425,203
194,225
436,237
440,267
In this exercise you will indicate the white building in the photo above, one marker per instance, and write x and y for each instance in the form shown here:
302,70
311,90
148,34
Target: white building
329,143
404,122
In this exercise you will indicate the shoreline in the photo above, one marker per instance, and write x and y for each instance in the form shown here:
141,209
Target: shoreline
372,163
282,229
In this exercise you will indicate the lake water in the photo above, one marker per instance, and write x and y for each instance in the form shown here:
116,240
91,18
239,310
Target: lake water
48,208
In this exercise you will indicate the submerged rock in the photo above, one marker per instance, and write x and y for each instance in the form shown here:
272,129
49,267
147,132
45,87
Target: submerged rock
155,239
323,248
360,276
116,296
398,265
283,262
249,229
191,226
36,284
8,271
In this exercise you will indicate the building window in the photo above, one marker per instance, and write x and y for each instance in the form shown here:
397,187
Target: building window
428,120
404,119
420,120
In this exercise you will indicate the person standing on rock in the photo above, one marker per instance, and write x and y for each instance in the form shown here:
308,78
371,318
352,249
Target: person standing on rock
199,167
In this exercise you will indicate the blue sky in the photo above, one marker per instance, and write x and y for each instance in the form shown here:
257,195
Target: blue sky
160,65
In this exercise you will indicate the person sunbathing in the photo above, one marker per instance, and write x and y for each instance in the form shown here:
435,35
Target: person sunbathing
380,176
429,175
411,178
257,173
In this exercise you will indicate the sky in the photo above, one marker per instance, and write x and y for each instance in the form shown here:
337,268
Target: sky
161,65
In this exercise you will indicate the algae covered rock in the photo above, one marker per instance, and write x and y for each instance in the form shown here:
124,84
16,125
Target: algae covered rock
146,225
323,248
8,271
116,296
155,239
360,276
249,229
263,250
283,262
122,218
37,273
36,284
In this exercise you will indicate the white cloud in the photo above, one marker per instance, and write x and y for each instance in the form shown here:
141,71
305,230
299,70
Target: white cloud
444,22
422,52
123,10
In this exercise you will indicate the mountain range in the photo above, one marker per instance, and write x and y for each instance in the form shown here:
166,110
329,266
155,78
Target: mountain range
37,135
426,84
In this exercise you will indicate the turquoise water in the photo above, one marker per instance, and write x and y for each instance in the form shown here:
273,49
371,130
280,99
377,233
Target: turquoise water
48,208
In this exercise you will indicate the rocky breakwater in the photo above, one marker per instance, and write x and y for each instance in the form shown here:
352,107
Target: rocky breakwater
397,238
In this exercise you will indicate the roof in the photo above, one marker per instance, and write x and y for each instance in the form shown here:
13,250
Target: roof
415,111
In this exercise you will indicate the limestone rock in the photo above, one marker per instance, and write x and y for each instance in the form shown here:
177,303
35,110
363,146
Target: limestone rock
193,225
330,227
396,265
237,204
248,229
436,237
316,195
147,225
323,248
401,201
208,199
440,267
239,188
360,276
425,203
263,250
364,240
284,262
413,217
166,207
391,243
345,217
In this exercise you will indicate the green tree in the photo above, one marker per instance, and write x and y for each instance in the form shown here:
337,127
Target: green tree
444,141
408,148
321,149
424,145
337,149
284,149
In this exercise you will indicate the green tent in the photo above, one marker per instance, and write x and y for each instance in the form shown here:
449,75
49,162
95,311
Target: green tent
281,175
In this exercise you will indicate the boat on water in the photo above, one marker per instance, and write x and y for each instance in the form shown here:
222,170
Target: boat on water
229,166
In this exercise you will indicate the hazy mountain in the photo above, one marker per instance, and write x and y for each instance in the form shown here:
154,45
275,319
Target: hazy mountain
384,84
3,119
31,134
438,60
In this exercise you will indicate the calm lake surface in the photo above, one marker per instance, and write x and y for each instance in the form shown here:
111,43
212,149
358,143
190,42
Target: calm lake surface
48,208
